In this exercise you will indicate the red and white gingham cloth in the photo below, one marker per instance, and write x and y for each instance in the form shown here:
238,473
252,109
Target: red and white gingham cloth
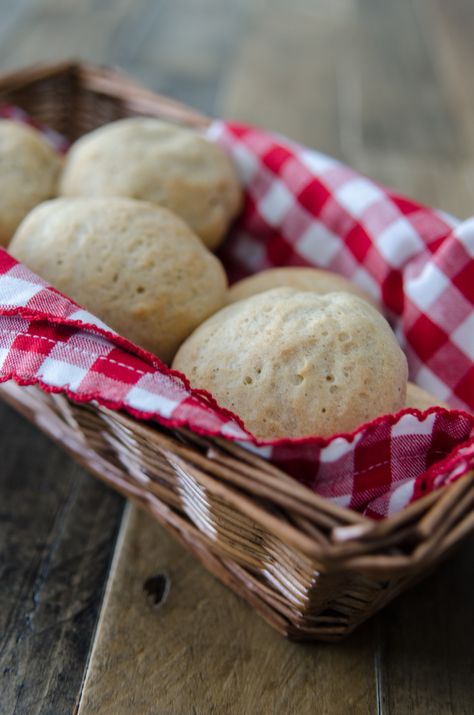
301,208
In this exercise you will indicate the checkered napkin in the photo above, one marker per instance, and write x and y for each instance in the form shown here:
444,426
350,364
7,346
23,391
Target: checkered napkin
301,209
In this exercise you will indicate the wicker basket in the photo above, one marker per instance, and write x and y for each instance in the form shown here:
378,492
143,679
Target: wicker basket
313,570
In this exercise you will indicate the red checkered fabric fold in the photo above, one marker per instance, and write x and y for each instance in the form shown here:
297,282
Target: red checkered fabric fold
301,208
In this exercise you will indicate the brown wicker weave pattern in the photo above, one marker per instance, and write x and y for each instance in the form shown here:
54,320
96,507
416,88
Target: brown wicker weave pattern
312,569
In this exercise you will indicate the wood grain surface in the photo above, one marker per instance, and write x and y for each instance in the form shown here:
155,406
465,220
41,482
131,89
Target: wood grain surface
205,651
202,650
382,85
57,533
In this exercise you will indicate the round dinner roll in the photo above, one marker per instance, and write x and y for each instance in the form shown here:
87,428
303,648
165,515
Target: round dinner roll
421,399
29,172
136,266
305,279
293,364
165,164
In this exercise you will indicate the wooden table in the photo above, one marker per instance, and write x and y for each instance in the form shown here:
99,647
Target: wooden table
387,87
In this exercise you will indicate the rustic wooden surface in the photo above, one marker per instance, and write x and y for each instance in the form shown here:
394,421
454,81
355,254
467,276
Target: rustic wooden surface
203,650
384,86
57,533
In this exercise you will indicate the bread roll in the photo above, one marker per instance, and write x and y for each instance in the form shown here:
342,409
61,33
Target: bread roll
421,399
136,266
165,164
293,364
29,172
305,279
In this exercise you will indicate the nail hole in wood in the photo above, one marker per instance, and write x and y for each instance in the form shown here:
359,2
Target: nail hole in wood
156,589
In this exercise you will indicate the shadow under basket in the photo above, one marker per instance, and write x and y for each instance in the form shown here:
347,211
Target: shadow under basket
312,569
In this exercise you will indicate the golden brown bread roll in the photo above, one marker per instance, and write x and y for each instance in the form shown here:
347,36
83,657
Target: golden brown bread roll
421,399
168,165
299,278
136,266
29,172
293,363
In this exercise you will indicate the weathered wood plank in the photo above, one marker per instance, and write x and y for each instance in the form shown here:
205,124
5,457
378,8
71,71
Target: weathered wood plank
425,641
57,532
54,30
204,651
447,29
184,48
284,75
402,106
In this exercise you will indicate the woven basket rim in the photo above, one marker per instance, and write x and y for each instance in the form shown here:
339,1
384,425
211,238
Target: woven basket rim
423,515
106,79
